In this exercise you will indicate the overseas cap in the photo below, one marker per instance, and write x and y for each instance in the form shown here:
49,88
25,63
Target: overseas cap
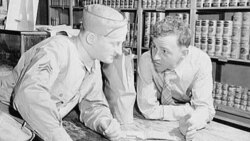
105,21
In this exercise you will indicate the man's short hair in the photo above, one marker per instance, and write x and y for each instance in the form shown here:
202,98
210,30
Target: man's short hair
172,26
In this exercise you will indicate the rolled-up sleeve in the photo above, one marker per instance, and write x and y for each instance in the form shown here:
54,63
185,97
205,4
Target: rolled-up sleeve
94,107
32,98
147,95
202,99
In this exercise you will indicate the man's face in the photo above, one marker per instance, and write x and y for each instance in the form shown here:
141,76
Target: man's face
106,49
166,54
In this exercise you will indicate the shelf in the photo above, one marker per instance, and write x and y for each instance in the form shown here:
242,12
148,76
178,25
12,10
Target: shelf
224,8
222,59
165,9
120,9
60,6
232,110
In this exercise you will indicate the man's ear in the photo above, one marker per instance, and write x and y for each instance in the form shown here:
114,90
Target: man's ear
91,38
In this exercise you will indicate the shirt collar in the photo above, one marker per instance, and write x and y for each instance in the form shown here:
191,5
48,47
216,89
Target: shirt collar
88,62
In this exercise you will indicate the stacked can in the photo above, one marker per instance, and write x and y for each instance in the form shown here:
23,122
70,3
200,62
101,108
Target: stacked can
147,29
233,3
167,4
178,4
231,95
207,3
218,38
227,34
243,102
224,3
173,4
248,101
184,4
199,3
237,97
197,42
215,3
242,3
211,37
236,35
224,96
245,30
160,16
204,34
218,93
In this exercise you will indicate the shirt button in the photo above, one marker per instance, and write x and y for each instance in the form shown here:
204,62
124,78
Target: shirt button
60,94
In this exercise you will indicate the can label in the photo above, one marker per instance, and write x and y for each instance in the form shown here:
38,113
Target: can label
212,27
211,45
226,47
216,3
204,27
158,3
227,29
219,28
224,3
218,46
204,43
184,4
233,2
237,18
246,19
242,3
235,49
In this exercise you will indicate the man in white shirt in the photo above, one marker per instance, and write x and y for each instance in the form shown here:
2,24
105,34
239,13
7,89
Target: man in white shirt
175,79
55,75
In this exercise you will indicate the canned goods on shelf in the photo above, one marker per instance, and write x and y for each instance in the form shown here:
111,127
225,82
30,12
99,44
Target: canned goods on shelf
233,2
237,100
173,4
167,3
235,49
207,3
243,107
230,104
219,28
204,27
224,92
230,98
178,4
237,106
246,19
144,3
244,97
199,3
217,101
237,18
224,102
245,30
218,91
152,4
242,3
216,3
243,102
197,41
236,33
158,3
224,97
184,4
225,86
211,46
244,50
226,47
228,28
212,27
218,85
224,3
238,89
204,43
218,46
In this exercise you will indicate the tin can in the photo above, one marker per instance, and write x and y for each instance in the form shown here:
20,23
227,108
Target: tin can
219,28
244,50
243,102
218,46
230,98
204,43
173,4
228,28
151,3
238,89
236,33
224,3
167,3
204,27
243,107
230,104
236,105
217,101
144,4
242,3
245,30
163,3
212,27
235,49
211,45
224,97
231,88
184,4
237,95
178,4
216,3
158,4
198,27
218,92
225,86
224,102
226,47
199,3
197,41
188,3
244,97
246,19
233,2
207,3
218,85
237,19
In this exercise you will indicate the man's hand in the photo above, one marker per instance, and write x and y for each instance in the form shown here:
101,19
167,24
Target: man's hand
189,125
111,129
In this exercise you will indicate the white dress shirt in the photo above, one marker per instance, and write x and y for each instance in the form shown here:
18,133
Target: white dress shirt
193,85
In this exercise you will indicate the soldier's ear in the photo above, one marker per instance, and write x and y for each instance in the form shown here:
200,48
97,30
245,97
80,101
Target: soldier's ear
91,38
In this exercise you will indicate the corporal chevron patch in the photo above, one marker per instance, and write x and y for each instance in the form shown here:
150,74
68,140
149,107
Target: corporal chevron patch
45,67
